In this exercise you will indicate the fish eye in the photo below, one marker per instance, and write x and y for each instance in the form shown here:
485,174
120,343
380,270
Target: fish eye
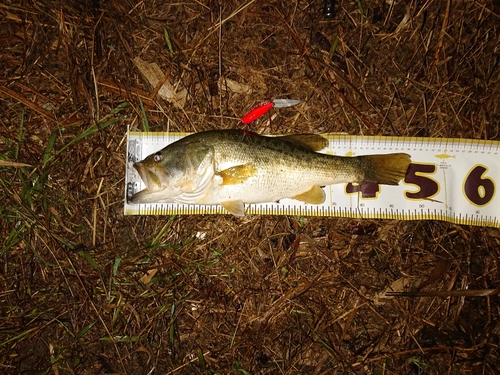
158,157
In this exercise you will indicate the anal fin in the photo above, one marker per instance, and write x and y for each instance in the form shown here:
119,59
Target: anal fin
237,208
315,195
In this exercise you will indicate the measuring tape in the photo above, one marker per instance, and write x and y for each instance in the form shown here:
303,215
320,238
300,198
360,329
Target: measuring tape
449,179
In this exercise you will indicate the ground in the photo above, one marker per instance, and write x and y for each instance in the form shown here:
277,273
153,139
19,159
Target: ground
87,290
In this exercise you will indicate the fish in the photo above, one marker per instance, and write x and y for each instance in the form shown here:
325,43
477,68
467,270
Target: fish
237,167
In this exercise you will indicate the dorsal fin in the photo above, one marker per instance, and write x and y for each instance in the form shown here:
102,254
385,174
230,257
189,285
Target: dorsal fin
313,142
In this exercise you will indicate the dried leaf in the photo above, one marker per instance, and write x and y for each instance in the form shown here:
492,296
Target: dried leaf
153,74
146,279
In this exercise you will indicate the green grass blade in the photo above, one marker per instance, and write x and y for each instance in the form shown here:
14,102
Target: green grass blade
171,331
46,157
20,136
201,359
171,219
89,259
121,339
13,238
168,41
360,7
145,121
85,330
116,265
93,129
101,125
333,47
114,111
18,337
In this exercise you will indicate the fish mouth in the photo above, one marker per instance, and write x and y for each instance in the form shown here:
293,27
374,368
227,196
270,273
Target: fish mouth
155,179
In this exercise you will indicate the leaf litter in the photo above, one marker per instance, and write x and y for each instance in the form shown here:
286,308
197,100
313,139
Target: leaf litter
86,290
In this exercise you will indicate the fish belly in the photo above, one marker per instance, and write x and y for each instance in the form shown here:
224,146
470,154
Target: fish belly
264,187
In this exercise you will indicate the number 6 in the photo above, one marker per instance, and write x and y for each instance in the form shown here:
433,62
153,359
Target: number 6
477,189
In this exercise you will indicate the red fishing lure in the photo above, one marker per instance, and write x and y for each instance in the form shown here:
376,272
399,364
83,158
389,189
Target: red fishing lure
265,106
257,112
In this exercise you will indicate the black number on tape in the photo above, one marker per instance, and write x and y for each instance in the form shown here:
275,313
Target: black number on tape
479,190
369,190
427,187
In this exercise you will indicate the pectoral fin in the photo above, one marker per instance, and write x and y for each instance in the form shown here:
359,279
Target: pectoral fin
237,174
237,208
314,196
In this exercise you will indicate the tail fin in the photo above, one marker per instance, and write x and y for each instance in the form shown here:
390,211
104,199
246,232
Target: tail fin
386,169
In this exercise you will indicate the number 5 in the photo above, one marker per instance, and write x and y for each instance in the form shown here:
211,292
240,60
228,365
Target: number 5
419,176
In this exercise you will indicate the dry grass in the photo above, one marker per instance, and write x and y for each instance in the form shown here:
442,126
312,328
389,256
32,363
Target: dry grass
85,290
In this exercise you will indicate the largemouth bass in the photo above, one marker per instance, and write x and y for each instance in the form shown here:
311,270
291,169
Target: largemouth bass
236,167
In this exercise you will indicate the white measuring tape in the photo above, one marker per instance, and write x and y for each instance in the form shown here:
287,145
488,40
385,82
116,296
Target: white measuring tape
449,179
